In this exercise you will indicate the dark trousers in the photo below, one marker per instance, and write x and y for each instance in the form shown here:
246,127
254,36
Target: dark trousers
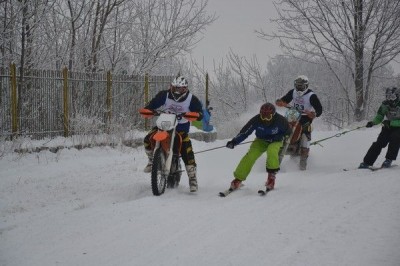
387,136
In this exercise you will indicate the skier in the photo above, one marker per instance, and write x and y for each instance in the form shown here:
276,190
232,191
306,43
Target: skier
307,102
270,128
179,99
390,133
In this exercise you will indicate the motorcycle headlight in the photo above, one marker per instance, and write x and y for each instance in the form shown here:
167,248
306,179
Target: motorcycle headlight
166,125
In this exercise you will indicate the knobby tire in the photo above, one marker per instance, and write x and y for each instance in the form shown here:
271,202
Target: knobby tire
158,180
175,174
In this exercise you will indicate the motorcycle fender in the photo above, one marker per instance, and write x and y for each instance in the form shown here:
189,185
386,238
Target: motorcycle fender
160,135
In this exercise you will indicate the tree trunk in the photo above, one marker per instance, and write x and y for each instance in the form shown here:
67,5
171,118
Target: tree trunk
359,60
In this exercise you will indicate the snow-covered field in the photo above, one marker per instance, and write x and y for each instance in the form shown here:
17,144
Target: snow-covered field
95,207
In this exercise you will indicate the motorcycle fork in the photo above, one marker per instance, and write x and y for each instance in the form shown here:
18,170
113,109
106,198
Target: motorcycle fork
167,145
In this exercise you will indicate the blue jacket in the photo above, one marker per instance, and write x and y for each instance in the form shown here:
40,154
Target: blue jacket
270,131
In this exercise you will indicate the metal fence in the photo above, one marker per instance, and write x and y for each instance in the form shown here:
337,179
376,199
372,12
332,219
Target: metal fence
48,103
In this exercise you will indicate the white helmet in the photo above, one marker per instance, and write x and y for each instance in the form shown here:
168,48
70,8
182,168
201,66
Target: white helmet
179,82
179,88
301,84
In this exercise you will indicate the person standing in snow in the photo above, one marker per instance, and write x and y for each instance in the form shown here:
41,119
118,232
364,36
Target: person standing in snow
178,99
270,129
390,133
307,102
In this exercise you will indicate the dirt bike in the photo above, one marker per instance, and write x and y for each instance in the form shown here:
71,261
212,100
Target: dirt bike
291,145
166,142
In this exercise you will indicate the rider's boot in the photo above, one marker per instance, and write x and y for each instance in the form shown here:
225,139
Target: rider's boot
303,157
191,172
281,152
149,165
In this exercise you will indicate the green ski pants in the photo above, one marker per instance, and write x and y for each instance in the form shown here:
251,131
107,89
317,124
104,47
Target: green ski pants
257,148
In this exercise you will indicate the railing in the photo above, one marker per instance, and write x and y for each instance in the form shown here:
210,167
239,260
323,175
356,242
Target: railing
49,103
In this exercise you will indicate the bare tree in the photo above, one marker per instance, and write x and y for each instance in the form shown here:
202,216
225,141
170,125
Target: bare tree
164,29
77,18
98,22
361,35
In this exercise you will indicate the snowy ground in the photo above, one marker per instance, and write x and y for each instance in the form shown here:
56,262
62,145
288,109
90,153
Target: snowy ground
95,207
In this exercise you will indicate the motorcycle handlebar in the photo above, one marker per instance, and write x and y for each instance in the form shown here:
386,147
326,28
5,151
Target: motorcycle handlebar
148,113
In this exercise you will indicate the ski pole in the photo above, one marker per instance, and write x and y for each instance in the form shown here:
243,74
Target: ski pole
222,147
336,135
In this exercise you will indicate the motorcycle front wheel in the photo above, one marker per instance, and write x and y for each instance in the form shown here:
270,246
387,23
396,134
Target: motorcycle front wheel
158,179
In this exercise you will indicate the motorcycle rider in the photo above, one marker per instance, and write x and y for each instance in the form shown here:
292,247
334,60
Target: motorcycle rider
178,99
307,102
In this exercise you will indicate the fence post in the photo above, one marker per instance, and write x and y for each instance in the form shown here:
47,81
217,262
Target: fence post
146,97
14,103
108,100
207,99
65,101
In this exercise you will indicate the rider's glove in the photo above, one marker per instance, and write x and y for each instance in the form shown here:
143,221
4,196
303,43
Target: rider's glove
310,114
230,144
369,124
192,116
386,123
147,113
280,103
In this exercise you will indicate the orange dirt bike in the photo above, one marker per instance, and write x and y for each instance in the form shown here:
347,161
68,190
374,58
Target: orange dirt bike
166,143
291,145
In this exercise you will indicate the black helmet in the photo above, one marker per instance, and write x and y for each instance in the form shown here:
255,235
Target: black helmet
267,111
392,95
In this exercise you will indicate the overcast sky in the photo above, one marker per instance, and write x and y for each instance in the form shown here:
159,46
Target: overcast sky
234,29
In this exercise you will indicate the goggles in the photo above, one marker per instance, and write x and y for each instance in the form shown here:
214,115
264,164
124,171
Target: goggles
266,115
179,90
300,87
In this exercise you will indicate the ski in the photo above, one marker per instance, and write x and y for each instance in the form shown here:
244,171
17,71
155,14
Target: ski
263,192
228,191
372,168
379,168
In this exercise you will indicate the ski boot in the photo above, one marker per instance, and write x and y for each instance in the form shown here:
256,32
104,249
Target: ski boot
363,166
387,163
270,181
236,183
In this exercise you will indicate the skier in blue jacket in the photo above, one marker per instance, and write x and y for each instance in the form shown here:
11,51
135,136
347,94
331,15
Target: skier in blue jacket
270,130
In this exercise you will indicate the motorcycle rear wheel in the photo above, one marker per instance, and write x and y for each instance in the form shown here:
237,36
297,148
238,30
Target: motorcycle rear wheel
176,171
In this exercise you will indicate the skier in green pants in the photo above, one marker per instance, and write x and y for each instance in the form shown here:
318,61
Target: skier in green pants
270,130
